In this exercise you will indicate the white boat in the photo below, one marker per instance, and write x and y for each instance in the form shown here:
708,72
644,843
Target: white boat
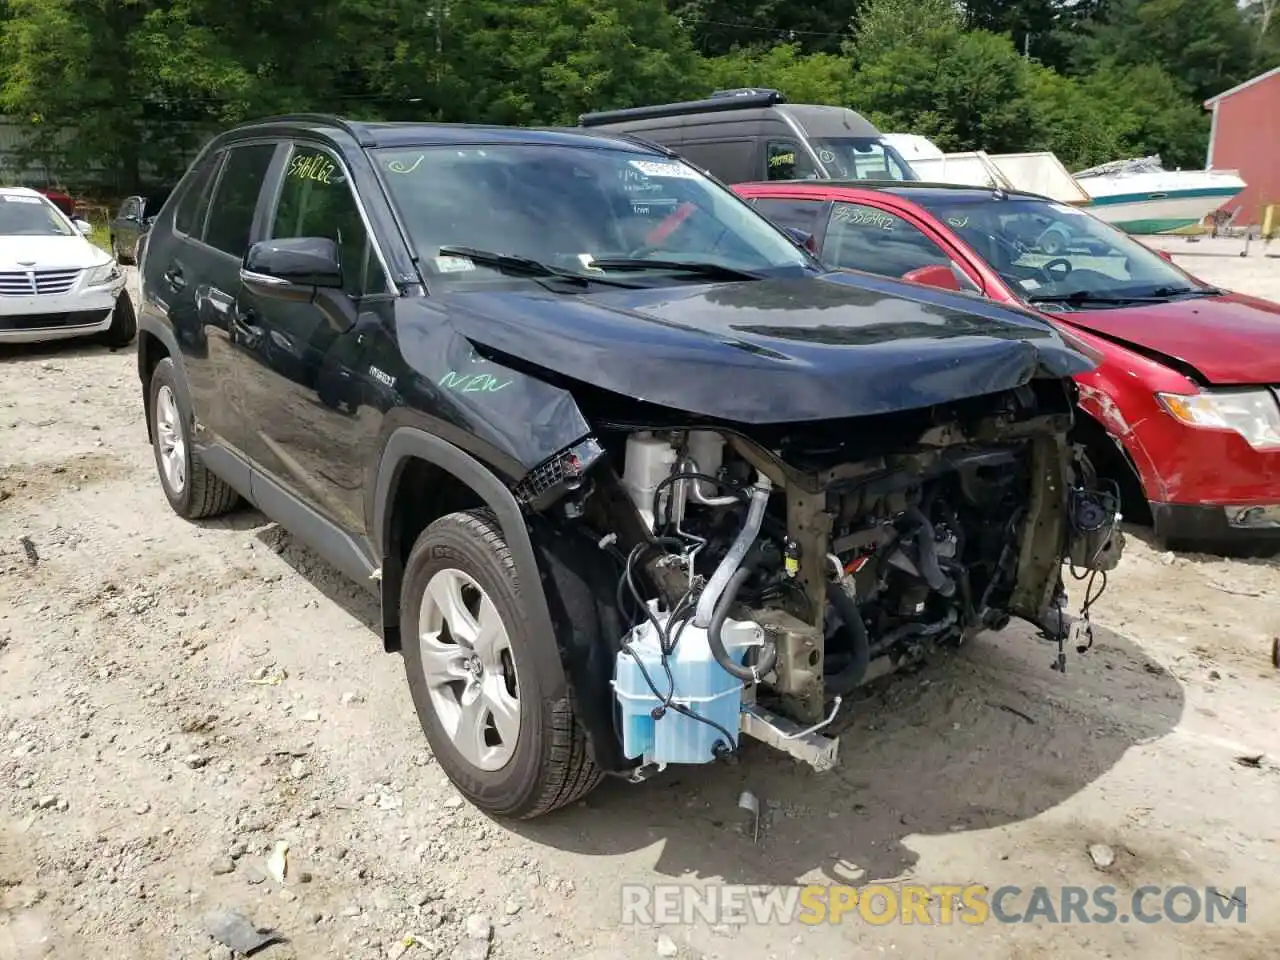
1140,196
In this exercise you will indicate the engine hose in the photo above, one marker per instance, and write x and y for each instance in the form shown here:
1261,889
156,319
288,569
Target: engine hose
839,685
768,652
898,634
928,559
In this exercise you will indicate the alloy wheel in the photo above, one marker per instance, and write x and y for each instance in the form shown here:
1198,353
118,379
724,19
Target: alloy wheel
171,440
470,670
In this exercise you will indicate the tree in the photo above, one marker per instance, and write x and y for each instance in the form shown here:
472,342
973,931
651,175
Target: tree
885,26
1205,43
1149,112
720,26
964,90
816,78
546,62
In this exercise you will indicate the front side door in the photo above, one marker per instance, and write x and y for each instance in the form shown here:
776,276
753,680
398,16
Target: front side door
305,395
207,276
804,214
874,239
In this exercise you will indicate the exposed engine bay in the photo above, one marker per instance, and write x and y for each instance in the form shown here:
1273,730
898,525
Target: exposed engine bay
766,575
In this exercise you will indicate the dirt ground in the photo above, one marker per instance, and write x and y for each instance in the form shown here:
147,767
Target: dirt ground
175,699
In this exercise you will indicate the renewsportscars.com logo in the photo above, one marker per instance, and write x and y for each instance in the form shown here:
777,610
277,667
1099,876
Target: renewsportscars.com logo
934,904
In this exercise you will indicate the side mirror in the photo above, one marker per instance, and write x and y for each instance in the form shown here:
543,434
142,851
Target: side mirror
934,275
801,238
84,226
282,266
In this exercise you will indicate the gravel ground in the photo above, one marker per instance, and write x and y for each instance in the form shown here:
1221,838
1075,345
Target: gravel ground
178,699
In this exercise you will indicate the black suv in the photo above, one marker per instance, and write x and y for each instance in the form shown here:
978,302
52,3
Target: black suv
631,472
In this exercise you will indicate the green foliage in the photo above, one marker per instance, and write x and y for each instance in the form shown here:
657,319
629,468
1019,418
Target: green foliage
146,81
961,89
816,78
1205,43
883,27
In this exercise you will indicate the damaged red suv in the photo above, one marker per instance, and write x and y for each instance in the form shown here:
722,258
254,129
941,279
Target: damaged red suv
1184,409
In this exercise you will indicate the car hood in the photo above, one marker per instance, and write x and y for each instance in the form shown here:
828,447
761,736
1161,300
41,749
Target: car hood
49,253
773,351
1231,339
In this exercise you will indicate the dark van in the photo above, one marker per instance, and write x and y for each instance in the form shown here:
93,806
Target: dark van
747,135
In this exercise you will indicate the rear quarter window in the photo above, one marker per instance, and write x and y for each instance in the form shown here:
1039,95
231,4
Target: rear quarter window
194,203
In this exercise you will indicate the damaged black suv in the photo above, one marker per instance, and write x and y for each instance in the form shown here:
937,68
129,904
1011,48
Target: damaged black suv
632,473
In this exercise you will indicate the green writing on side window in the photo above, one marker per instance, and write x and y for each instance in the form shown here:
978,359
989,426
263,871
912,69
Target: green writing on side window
472,383
315,167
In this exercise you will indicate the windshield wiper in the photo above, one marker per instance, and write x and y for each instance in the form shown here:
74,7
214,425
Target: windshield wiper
517,266
1186,292
699,268
1080,297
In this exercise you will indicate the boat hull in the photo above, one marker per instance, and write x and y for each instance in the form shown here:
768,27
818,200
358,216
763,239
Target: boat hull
1160,211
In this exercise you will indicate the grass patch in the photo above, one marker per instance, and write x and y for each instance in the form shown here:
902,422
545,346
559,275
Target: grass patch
100,237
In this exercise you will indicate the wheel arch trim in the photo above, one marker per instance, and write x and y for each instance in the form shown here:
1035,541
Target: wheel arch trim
405,443
148,325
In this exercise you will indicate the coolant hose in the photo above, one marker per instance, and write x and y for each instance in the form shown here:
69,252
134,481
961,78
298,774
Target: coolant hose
928,559
737,552
768,652
839,685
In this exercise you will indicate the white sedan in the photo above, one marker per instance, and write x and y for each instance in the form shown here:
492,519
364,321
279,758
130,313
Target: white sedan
54,283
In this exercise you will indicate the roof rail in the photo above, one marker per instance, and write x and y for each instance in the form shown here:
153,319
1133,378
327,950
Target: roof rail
722,100
355,130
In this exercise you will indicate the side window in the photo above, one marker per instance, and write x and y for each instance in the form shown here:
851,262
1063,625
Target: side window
236,197
803,215
860,237
189,217
316,201
732,161
786,160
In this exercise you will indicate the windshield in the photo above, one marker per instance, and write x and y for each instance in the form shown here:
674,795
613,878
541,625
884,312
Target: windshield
25,216
1049,251
861,158
646,219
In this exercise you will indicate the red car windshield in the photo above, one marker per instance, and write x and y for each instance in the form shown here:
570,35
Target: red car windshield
1049,252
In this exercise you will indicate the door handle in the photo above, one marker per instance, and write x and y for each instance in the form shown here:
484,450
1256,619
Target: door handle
173,277
243,320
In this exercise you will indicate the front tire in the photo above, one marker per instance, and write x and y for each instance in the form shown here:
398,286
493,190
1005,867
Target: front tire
124,323
469,661
191,488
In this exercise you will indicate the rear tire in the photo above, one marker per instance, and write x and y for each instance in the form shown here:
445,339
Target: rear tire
120,257
193,490
124,323
506,746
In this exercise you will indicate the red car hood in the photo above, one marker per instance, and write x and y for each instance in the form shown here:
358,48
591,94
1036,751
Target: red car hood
1231,339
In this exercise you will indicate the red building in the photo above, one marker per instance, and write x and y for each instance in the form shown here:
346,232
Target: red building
1245,136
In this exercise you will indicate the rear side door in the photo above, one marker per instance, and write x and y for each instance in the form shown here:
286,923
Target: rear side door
305,392
201,275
